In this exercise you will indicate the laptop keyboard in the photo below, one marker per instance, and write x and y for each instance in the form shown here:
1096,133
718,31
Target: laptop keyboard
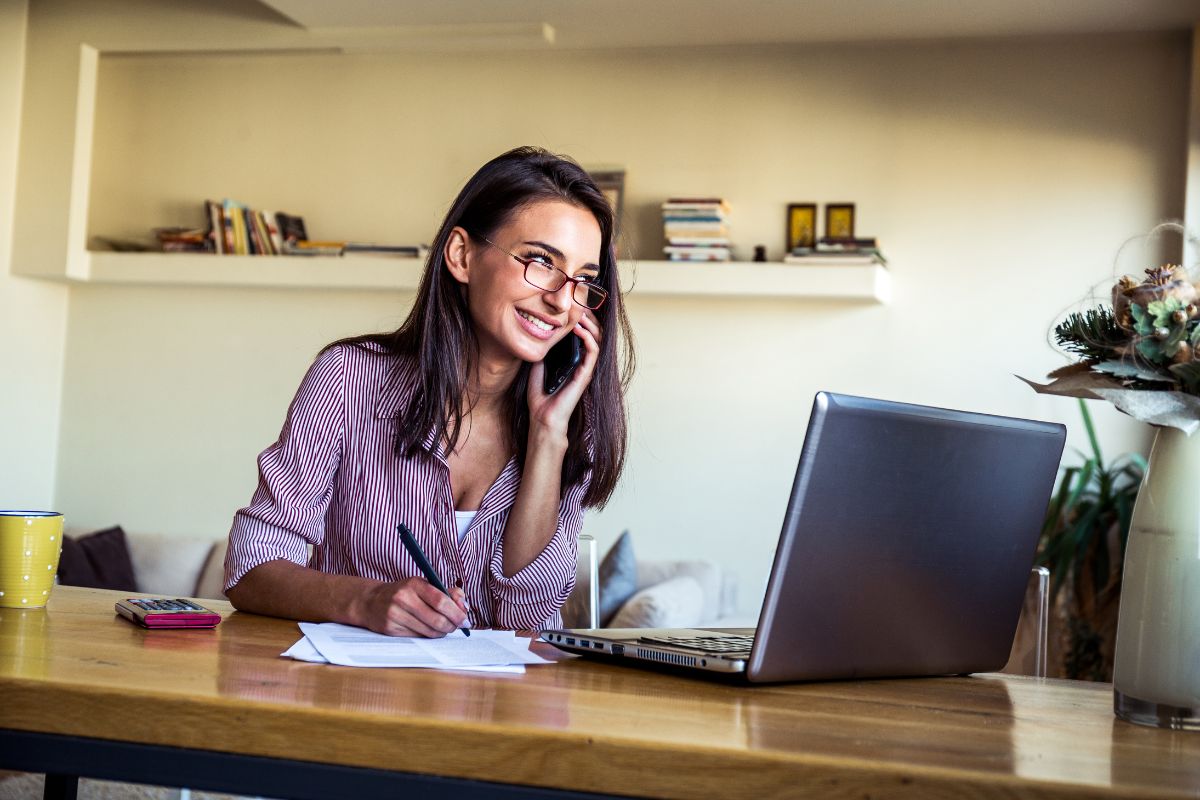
730,643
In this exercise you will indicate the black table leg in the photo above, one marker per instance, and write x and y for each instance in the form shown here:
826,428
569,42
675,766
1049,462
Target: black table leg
61,787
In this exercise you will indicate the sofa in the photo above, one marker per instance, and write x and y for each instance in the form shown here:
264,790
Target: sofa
145,563
634,593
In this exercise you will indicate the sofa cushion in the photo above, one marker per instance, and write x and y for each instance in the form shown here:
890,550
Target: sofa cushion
212,576
618,577
168,566
705,573
674,603
99,560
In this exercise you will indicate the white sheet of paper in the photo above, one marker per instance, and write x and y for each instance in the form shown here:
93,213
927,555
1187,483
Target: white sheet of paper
303,650
357,647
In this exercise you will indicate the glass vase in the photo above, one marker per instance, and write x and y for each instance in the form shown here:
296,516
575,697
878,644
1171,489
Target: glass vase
1156,670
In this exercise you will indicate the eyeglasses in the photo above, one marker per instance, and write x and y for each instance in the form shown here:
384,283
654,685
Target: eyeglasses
550,278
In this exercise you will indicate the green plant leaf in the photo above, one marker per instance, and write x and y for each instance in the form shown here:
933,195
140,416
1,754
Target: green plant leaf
1161,310
1094,334
1143,322
1091,432
1089,499
1126,369
1081,485
1150,348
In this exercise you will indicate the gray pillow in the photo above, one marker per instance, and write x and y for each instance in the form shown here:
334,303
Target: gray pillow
674,603
618,577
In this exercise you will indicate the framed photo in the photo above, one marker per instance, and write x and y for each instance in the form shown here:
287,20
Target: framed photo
611,181
839,220
801,226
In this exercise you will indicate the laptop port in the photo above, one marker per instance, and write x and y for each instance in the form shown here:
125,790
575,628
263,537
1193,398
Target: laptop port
618,649
570,640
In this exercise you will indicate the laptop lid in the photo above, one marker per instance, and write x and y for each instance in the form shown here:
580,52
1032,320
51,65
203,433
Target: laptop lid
907,541
905,549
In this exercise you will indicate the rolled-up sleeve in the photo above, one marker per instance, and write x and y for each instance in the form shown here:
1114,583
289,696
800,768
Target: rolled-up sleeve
530,598
296,476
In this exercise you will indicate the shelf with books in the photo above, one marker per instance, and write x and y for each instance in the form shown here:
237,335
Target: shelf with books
297,272
864,284
746,279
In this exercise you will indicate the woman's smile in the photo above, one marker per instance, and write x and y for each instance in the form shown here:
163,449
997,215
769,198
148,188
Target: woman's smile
537,326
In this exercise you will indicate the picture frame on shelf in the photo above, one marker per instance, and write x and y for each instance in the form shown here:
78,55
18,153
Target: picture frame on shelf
611,181
839,221
801,226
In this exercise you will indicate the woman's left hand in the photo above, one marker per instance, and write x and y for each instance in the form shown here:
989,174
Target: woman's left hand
552,412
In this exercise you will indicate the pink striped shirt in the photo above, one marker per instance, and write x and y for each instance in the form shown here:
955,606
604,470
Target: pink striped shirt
333,481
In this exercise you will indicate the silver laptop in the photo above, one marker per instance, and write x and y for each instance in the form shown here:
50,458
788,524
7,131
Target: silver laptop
905,550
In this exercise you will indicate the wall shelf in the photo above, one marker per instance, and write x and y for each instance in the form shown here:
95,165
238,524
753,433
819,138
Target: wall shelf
863,284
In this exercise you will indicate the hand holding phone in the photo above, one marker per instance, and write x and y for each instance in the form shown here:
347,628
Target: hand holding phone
561,362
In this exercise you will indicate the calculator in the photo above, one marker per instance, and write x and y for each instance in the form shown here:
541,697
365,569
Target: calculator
161,612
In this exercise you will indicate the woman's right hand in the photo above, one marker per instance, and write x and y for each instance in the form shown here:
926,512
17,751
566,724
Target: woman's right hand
414,607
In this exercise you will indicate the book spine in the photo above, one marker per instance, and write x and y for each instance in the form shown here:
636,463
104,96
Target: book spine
215,223
227,226
260,230
252,245
273,232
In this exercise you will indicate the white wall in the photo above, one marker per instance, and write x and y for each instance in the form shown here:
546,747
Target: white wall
33,314
1000,176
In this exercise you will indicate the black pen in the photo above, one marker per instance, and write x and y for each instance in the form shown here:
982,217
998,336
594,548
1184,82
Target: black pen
414,550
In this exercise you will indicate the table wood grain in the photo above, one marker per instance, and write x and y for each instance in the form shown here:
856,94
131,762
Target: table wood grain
76,668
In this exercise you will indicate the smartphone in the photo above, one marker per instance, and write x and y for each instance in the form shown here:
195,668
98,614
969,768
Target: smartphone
161,612
561,362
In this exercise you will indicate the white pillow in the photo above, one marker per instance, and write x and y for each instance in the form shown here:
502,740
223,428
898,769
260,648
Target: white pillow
706,573
167,566
212,577
674,603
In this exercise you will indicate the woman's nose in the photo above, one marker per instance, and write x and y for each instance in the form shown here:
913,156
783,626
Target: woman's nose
560,298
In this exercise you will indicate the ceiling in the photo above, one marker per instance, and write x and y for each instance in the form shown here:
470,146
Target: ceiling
633,23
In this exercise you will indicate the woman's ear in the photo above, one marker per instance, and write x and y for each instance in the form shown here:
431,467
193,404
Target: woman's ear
457,255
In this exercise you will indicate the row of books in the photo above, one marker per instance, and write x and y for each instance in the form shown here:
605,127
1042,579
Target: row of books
236,229
845,252
697,229
240,230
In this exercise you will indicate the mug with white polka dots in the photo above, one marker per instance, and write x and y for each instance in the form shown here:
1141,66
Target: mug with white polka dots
30,542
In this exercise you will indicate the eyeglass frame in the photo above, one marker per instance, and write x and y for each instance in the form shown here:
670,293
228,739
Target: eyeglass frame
578,280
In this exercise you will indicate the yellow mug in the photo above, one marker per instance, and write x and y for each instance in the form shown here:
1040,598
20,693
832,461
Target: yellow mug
30,542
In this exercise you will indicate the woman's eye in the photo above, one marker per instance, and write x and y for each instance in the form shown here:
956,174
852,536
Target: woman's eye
541,260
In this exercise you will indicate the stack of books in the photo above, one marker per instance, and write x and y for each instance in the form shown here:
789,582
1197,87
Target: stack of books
239,230
838,252
696,229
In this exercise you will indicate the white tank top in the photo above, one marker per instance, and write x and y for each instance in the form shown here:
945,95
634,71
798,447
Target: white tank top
463,518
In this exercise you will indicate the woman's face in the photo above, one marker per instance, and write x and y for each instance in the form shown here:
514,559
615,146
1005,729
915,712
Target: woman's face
514,319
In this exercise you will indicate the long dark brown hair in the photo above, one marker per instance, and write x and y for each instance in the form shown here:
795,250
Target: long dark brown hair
439,333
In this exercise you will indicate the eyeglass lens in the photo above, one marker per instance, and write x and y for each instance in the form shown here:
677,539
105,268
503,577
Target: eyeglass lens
552,279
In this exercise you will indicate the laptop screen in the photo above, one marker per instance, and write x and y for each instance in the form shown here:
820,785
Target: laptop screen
907,541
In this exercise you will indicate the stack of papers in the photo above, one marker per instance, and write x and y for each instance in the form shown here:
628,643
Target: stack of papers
347,646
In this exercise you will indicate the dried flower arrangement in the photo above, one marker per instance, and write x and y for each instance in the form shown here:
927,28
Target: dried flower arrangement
1142,354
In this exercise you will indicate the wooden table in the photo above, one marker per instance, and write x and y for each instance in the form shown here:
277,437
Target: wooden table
83,692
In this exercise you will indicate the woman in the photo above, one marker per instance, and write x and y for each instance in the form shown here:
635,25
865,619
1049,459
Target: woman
444,426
